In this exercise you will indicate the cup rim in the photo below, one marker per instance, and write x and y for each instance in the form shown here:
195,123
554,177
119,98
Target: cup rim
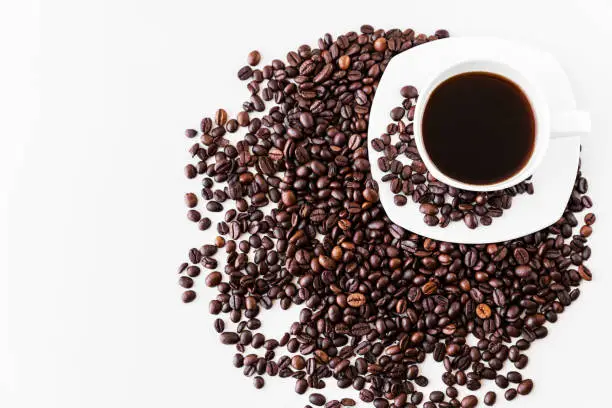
534,96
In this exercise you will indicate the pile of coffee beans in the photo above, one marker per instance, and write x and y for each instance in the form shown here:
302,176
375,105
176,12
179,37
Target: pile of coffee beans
303,226
439,203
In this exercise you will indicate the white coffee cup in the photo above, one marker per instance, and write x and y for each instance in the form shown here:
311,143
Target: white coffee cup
547,124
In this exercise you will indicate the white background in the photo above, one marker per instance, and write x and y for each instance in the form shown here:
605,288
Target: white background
95,96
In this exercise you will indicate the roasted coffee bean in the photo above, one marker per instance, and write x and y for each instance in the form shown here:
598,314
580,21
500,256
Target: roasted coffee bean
490,398
258,382
193,215
191,171
191,200
189,296
253,58
214,206
469,402
317,399
204,223
185,282
514,377
229,338
510,394
219,325
525,387
436,396
301,386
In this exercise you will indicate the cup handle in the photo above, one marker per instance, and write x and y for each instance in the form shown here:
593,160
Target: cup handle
569,123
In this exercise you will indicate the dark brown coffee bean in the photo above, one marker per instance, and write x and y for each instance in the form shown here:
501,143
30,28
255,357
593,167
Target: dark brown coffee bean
189,296
191,200
589,219
348,402
245,73
190,171
185,282
194,215
317,399
400,200
301,386
510,394
258,382
214,206
220,117
490,398
469,402
409,92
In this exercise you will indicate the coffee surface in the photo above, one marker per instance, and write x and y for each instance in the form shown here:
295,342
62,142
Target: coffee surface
478,128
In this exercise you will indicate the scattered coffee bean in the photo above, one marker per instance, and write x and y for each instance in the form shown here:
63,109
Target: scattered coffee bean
348,402
317,399
185,282
469,402
189,296
374,299
258,382
490,398
253,58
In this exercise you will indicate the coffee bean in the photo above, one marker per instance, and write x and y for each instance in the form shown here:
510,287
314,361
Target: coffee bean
586,231
356,299
214,206
397,113
213,279
253,58
380,403
469,402
470,220
193,215
436,396
220,117
300,386
229,338
483,311
409,92
510,394
317,399
589,219
190,171
185,282
514,377
490,398
189,296
245,73
258,382
525,387
380,45
400,200
191,200
193,271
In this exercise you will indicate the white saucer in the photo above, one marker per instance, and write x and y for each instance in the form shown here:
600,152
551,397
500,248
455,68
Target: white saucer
553,179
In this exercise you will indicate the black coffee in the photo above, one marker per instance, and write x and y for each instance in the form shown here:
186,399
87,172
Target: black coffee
478,128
